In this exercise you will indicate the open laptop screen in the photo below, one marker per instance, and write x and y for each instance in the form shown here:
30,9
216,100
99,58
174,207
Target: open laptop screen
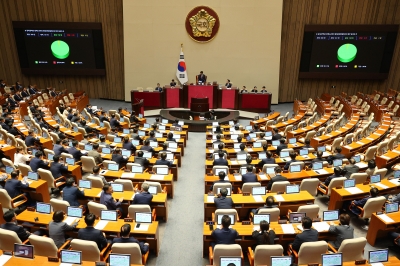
162,170
241,157
70,161
334,259
143,217
284,154
119,259
317,165
375,179
258,190
126,153
108,215
113,167
295,168
217,170
117,187
85,184
257,144
330,215
290,189
43,207
376,256
106,150
230,261
349,183
337,162
281,260
71,256
153,190
74,211
321,148
260,217
23,251
275,143
33,176
391,207
219,218
292,141
304,152
296,217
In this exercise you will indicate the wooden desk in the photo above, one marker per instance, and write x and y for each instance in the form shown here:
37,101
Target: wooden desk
209,181
8,149
159,201
379,228
293,121
264,120
315,126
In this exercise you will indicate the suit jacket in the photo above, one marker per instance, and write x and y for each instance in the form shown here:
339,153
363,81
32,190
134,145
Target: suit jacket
249,177
280,148
119,159
96,155
201,78
258,236
103,118
228,85
58,169
25,94
351,169
310,235
37,163
163,162
19,230
14,186
329,179
72,194
108,200
75,153
57,231
220,161
70,116
143,198
266,161
30,141
92,234
225,236
147,148
277,136
114,122
158,89
342,232
88,129
53,94
359,203
286,167
128,146
276,178
223,203
143,248
58,149
142,161
43,125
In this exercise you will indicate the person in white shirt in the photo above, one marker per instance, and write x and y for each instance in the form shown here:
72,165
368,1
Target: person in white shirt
20,157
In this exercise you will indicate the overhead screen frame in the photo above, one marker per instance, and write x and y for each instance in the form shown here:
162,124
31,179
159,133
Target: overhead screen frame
306,51
98,47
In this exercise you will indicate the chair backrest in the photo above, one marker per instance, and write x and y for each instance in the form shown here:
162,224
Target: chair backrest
310,184
359,178
64,156
54,137
226,250
155,184
88,163
90,251
21,143
298,163
274,213
310,210
7,162
214,170
154,169
13,140
370,153
225,212
59,205
265,166
129,248
44,246
128,186
391,143
7,239
107,162
82,130
336,143
134,208
373,205
112,111
107,125
310,134
47,176
382,172
247,187
382,147
24,168
96,208
47,152
71,96
353,249
384,100
348,136
263,253
310,252
396,107
130,165
279,186
335,182
97,182
221,185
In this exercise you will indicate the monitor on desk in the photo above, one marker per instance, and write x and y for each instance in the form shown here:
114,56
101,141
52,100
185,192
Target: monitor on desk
295,168
140,116
71,256
275,143
321,148
260,217
237,145
378,256
234,137
113,167
243,170
217,170
119,259
181,123
50,156
337,162
349,183
23,251
241,157
158,135
106,150
304,152
147,155
126,131
270,170
170,156
70,161
143,217
333,259
317,165
281,260
215,124
231,123
34,151
162,170
262,155
268,134
85,184
88,147
108,215
141,133
101,124
75,129
172,145
230,261
153,190
391,207
292,141
126,153
117,140
219,218
117,187
396,174
164,121
296,217
249,127
43,207
375,179
253,135
176,136
135,142
229,191
153,144
74,212
137,169
330,215
291,189
357,158
146,125
257,144
161,127
215,146
33,176
258,191
121,119
284,154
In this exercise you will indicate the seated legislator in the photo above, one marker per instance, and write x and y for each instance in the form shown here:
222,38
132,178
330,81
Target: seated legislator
92,234
95,153
307,144
242,151
103,142
221,176
38,162
118,158
72,193
89,130
77,154
263,89
263,236
371,167
170,137
337,173
342,231
176,123
144,197
351,168
278,177
103,117
243,90
127,144
13,186
172,83
292,155
268,160
58,228
249,176
269,203
30,139
133,118
337,154
221,148
11,225
96,173
158,88
125,238
201,78
249,159
163,160
218,130
59,133
218,139
282,145
220,160
228,83
373,192
223,202
60,147
152,136
224,235
57,169
141,160
276,135
107,199
114,121
254,89
319,157
146,147
20,157
308,235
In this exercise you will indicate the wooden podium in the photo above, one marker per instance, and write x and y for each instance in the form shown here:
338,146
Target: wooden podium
199,105
138,107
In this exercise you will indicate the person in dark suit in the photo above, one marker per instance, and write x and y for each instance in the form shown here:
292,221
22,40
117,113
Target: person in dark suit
70,114
11,102
308,235
146,147
60,134
319,157
17,97
342,231
293,156
31,89
263,89
92,234
249,176
141,160
243,90
77,154
224,235
107,199
172,83
53,92
103,117
13,186
38,162
276,135
114,121
373,192
4,125
269,203
57,169
278,177
11,225
307,143
25,93
95,153
268,160
337,154
220,160
72,193
337,173
30,139
201,78
60,147
263,236
58,228
144,197
221,179
118,158
125,238
254,89
163,160
222,202
351,168
41,123
282,145
228,83
170,137
89,130
242,149
158,88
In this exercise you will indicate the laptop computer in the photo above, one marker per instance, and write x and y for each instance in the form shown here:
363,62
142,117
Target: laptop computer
231,123
75,129
333,259
43,207
268,134
181,123
140,115
146,125
295,168
33,176
284,154
164,121
70,161
215,124
304,152
234,137
172,145
337,162
158,135
241,157
396,174
292,141
357,158
162,170
258,191
119,259
117,187
243,170
229,191
249,127
135,142
253,135
113,167
296,217
106,150
147,155
378,256
74,212
219,218
262,155
88,147
50,156
126,131
85,184
217,170
260,217
349,183
375,179
230,261
108,215
330,215
257,144
391,207
143,217
317,165
23,251
170,156
153,144
121,119
291,189
137,169
117,140
153,190
141,133
126,153
321,148
270,170
71,256
275,143
236,145
281,260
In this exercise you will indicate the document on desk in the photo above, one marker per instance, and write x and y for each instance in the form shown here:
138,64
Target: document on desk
70,220
4,259
263,177
354,190
385,157
142,227
395,181
360,143
287,229
210,199
63,264
101,224
211,150
386,218
238,177
370,138
380,185
127,175
348,147
233,162
249,149
377,264
362,165
278,198
236,150
258,198
321,172
320,226
157,177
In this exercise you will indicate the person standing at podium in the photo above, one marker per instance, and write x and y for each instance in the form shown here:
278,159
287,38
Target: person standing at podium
173,83
228,83
158,88
201,78
243,89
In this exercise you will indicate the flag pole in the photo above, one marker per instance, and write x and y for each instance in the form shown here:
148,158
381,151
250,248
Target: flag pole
182,46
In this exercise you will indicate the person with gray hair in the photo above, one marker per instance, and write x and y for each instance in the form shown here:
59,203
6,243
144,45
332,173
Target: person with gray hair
351,168
222,201
144,197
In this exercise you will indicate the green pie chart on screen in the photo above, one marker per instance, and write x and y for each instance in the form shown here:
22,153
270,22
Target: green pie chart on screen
60,49
347,52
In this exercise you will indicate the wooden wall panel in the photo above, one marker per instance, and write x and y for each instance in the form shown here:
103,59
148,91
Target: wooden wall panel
297,13
108,12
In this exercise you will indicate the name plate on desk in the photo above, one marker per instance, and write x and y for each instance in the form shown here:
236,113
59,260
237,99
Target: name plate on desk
246,193
128,220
